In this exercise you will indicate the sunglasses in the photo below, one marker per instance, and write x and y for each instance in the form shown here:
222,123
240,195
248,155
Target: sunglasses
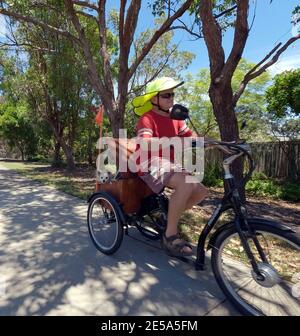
167,95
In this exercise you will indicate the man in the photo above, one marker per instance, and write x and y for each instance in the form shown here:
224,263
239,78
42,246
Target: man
155,122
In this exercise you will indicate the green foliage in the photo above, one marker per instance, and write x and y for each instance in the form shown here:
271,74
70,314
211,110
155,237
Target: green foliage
250,108
283,105
260,185
284,95
16,128
213,176
159,7
219,6
290,191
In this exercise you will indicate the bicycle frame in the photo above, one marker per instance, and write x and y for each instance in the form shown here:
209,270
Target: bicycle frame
231,201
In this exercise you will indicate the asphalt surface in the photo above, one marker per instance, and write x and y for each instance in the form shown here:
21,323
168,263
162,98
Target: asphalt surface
49,266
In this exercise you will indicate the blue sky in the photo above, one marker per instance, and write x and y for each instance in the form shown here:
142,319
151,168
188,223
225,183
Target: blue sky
272,24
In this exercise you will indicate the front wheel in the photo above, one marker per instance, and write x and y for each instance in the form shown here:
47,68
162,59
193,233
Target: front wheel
277,292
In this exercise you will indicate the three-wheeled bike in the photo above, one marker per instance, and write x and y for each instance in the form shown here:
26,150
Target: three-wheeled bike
255,261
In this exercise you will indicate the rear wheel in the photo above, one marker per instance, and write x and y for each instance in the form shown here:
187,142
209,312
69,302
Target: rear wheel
104,223
278,291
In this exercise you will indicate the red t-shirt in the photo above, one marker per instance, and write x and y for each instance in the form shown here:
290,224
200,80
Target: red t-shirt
152,124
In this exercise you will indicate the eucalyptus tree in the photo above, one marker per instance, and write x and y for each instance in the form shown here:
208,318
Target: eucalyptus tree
111,80
55,85
250,109
16,128
212,19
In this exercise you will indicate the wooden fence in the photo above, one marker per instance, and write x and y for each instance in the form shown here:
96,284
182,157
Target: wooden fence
274,159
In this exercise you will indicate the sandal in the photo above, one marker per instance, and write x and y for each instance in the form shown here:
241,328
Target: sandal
176,249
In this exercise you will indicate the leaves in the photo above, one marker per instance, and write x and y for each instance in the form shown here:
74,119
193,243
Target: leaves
284,95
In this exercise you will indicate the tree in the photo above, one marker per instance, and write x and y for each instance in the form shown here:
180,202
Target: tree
15,125
283,104
284,95
163,60
222,96
55,83
16,128
221,92
250,107
114,97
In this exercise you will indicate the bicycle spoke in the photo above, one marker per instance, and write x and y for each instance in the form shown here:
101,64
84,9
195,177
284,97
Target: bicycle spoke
273,294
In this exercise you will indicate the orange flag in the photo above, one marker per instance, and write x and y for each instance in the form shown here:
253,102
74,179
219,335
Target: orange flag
99,116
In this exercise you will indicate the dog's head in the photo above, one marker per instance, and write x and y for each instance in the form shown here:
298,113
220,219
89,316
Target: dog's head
102,177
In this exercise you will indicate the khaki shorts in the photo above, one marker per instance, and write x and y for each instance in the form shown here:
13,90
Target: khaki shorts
160,173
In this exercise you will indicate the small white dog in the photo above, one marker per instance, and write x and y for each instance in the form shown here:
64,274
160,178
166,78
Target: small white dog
103,176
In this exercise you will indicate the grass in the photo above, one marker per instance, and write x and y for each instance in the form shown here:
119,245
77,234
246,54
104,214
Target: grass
75,184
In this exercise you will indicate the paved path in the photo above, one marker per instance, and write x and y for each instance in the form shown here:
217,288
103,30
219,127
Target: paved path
48,265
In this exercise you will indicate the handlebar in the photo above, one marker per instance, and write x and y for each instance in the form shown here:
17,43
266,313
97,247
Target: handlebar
236,149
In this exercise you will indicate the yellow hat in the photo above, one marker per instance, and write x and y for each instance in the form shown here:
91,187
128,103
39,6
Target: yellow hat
142,104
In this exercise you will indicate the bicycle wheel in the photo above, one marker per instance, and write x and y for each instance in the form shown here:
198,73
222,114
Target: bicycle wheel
278,293
104,224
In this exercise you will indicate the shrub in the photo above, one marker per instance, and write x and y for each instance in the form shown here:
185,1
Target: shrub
261,185
213,176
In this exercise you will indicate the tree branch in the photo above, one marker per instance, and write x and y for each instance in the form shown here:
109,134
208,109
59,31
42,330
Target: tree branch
85,4
253,73
131,23
189,30
29,45
213,38
105,56
92,68
164,28
121,21
36,22
128,28
239,41
87,15
225,12
160,68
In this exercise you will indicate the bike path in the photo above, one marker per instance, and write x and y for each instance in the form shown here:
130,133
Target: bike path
49,266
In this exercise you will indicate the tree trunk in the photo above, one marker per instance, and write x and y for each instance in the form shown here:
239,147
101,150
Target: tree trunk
69,156
65,147
22,154
223,106
56,158
117,120
90,157
90,146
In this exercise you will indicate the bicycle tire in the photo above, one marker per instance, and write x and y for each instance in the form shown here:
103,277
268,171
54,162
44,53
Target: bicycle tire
272,296
111,222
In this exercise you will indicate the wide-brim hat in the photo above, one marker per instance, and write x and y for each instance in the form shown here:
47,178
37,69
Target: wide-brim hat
142,104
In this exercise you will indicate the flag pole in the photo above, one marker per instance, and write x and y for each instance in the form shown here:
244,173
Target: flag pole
99,122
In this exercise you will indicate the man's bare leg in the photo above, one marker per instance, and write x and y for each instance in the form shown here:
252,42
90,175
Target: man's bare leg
198,195
177,203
